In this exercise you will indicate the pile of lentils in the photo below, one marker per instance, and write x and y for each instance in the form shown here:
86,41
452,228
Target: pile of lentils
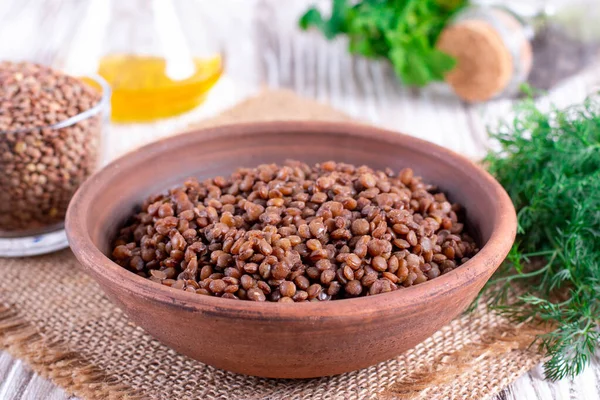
296,233
42,167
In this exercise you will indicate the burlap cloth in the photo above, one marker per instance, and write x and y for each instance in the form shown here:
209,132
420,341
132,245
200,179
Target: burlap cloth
58,320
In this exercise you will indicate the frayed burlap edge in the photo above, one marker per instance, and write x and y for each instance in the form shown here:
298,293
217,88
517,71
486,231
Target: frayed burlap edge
448,366
52,360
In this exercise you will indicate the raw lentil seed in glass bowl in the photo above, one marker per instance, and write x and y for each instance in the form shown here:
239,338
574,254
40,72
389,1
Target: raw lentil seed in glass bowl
296,233
51,128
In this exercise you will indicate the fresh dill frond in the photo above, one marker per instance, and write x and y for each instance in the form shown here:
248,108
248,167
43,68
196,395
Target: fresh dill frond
549,163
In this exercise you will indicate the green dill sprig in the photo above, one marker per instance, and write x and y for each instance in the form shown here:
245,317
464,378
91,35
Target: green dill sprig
549,163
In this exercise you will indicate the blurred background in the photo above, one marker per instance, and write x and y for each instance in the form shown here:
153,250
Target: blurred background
172,63
224,51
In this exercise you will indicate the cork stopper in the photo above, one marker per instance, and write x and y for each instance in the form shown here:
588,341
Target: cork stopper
484,63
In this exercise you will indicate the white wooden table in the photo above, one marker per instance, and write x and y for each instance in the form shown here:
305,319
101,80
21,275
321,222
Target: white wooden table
264,48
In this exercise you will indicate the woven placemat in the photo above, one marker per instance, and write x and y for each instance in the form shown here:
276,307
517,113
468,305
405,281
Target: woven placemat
57,319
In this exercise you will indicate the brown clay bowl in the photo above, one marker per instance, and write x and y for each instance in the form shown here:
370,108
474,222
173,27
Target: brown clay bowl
276,339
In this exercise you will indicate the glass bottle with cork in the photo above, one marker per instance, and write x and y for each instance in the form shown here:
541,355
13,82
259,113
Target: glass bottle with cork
493,51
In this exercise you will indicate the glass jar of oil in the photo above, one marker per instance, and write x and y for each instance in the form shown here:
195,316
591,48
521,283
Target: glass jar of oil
157,55
142,90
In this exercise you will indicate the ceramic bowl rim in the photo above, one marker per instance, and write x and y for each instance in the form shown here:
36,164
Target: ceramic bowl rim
489,257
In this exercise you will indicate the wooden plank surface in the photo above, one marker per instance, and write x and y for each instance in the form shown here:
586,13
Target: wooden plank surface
264,48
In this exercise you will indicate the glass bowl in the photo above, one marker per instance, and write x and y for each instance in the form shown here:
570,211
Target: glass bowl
41,170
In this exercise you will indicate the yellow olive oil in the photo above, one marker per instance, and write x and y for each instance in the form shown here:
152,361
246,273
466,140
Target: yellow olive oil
142,91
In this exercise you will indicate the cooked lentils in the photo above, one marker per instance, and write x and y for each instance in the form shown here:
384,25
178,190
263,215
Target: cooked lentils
41,167
296,233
